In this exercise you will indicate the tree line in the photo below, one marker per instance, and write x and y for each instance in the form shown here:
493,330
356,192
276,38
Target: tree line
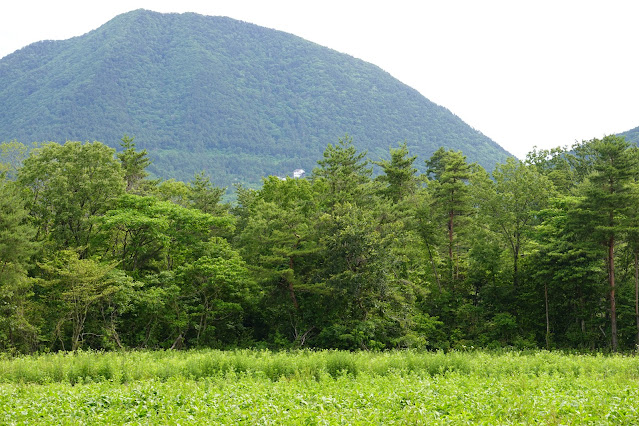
542,253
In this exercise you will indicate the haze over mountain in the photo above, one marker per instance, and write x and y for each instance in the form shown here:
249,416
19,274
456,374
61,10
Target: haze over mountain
231,98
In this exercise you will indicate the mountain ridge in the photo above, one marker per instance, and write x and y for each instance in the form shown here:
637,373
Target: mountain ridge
232,98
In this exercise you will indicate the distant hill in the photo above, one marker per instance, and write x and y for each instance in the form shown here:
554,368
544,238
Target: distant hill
231,98
631,135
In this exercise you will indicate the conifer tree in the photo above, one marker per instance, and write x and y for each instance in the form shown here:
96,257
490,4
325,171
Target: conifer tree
450,174
16,250
399,174
607,198
134,164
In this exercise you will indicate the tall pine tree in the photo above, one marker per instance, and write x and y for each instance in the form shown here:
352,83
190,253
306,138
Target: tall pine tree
607,198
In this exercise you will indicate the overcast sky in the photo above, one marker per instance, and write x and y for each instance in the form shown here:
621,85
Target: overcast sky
524,73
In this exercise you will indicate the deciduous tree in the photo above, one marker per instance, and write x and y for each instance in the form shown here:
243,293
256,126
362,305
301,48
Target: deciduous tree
67,187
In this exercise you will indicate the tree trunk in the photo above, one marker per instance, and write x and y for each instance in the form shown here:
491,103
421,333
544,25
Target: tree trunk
637,293
516,266
291,289
547,317
451,226
613,303
432,262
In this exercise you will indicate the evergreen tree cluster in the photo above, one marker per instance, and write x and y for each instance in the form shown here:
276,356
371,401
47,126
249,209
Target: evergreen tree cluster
542,253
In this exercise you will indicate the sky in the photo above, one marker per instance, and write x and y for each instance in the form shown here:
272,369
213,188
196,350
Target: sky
524,73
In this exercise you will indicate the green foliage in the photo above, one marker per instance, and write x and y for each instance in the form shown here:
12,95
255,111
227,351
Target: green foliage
512,206
319,387
631,135
66,187
146,234
339,260
567,272
344,171
12,154
76,286
450,175
399,175
218,285
211,93
17,247
304,365
607,198
206,197
134,165
558,165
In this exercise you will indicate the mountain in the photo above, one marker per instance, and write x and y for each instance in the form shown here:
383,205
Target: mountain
231,98
631,135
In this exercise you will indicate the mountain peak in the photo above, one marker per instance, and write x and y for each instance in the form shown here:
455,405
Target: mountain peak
234,99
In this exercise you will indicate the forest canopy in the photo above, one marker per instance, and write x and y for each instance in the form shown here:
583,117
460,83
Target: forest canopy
542,253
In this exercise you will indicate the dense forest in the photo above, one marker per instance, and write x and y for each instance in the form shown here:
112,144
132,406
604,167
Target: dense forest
211,93
631,135
542,253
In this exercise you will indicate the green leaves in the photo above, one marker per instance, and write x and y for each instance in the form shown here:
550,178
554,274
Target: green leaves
67,186
17,246
512,206
147,234
316,387
78,285
400,177
134,165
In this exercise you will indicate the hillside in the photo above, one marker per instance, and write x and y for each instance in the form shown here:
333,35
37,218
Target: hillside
210,93
631,135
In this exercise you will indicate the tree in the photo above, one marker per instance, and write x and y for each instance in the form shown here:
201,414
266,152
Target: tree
369,306
423,223
147,235
565,270
557,164
399,175
174,191
67,186
520,192
134,164
344,170
278,240
606,200
78,285
633,238
16,250
450,174
214,289
12,154
206,197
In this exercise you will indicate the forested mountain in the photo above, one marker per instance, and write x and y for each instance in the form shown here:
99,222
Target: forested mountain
631,135
233,99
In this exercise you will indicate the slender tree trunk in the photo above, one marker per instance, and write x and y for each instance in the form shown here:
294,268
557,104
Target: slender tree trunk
547,317
451,230
432,262
516,267
291,289
613,302
637,293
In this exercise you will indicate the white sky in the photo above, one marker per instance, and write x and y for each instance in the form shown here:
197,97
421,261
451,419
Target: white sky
524,73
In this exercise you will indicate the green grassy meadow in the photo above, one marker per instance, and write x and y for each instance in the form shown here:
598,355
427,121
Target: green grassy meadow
323,387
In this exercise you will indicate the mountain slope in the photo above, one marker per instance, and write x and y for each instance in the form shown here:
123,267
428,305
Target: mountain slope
209,93
631,135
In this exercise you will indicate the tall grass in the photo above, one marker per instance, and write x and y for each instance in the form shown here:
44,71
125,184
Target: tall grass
124,367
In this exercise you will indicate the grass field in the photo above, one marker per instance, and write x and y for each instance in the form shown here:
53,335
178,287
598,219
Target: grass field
325,387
